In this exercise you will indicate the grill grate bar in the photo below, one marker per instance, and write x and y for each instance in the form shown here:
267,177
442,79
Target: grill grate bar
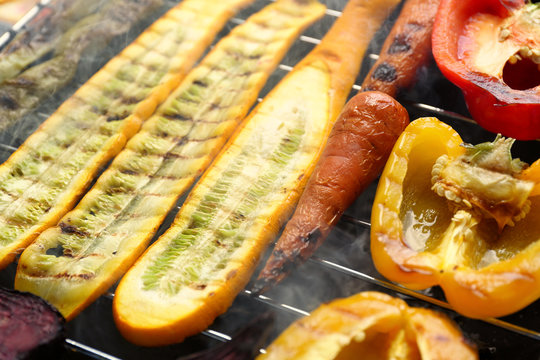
88,350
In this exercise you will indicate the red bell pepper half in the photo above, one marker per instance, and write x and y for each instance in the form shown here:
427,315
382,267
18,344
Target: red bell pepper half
491,50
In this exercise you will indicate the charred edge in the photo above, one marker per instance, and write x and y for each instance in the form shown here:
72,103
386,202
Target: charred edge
8,102
384,72
241,56
200,83
21,82
164,177
400,44
130,100
74,276
117,117
214,106
199,286
70,229
177,117
312,237
175,156
128,172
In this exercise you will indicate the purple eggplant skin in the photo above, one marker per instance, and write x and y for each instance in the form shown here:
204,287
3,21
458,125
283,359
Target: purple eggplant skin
30,327
245,345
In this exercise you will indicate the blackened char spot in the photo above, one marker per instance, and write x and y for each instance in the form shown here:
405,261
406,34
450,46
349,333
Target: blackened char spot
400,44
70,229
200,83
384,72
56,251
312,237
116,117
130,100
8,102
21,81
128,172
177,116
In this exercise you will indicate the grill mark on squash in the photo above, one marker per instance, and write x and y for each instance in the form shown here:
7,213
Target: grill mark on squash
227,235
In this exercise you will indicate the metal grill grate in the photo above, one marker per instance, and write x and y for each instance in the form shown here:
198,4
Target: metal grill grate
341,267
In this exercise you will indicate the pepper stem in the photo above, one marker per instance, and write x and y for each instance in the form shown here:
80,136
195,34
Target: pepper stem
485,180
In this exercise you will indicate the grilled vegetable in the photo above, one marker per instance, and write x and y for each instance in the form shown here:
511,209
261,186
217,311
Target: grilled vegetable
491,50
44,178
43,34
358,146
371,325
73,263
20,95
192,273
464,218
406,49
30,328
354,156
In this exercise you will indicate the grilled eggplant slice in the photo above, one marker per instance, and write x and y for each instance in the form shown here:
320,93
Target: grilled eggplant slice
30,328
192,273
23,93
73,263
44,178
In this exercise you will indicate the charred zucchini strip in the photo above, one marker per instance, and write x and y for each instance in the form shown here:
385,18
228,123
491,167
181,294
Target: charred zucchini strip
42,34
192,273
43,179
73,263
21,94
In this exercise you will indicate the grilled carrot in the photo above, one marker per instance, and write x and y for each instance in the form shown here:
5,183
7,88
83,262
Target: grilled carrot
346,167
193,272
73,263
44,178
407,47
357,149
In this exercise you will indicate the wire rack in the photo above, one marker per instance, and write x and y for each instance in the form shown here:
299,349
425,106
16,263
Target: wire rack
341,267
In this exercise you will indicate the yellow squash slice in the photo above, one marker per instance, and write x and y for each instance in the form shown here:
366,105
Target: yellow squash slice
371,326
45,177
194,271
71,264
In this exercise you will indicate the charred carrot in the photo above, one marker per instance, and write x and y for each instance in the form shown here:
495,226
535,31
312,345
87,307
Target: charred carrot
407,47
355,154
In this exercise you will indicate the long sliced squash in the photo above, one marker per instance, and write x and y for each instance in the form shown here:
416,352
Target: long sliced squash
71,264
45,177
192,273
24,92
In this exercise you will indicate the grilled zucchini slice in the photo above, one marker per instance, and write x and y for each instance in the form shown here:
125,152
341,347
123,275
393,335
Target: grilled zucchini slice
45,177
71,264
192,273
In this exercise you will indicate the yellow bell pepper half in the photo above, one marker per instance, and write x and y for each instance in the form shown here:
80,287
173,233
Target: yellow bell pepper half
466,218
371,326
